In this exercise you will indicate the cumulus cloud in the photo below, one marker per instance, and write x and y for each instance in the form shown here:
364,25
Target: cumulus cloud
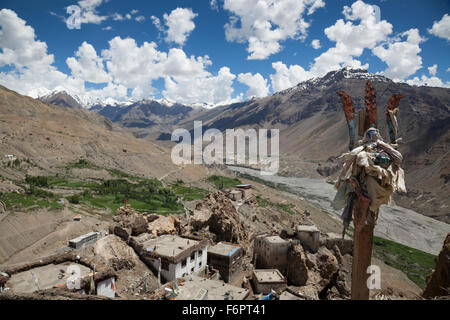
19,46
263,24
87,65
257,85
316,44
402,57
361,29
352,38
129,66
206,89
441,28
31,65
433,69
428,81
84,12
286,77
179,25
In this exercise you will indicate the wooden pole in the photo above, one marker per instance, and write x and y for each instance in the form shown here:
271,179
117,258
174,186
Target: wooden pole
362,256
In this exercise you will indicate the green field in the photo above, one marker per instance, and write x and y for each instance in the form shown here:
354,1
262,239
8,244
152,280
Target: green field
416,264
222,182
143,194
28,202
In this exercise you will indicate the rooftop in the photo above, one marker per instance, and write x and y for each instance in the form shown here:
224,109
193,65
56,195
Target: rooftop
268,275
217,290
171,247
224,249
275,239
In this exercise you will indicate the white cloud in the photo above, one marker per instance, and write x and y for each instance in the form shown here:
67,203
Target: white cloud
432,70
316,44
84,12
179,25
207,89
108,28
428,81
258,86
213,4
133,66
88,66
285,77
441,28
134,11
32,69
402,57
128,66
139,18
118,17
351,38
266,23
157,23
19,47
448,69
186,78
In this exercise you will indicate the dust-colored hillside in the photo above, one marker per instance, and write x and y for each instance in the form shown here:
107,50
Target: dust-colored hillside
51,136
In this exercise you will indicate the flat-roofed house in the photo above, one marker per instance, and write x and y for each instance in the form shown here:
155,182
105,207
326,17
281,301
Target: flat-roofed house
178,256
227,258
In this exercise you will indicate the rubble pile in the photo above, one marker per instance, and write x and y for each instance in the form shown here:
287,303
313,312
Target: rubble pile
438,283
128,222
163,225
217,214
322,273
115,253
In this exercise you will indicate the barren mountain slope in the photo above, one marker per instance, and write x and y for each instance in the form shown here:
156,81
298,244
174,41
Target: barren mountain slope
313,129
52,136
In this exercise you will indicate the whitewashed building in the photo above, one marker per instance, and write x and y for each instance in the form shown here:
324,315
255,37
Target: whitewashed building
175,256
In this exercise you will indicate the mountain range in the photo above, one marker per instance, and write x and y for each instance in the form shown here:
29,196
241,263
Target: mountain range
313,132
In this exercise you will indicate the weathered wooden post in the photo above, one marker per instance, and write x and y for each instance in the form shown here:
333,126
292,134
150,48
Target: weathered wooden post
362,256
364,192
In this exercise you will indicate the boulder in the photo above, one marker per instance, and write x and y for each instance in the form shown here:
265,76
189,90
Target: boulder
138,225
327,262
218,213
128,222
297,270
121,232
201,216
164,225
115,253
309,237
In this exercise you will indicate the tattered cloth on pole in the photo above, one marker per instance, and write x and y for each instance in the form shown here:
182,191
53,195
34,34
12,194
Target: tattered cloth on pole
379,183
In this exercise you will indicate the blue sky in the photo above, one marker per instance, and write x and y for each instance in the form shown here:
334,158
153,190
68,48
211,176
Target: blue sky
218,51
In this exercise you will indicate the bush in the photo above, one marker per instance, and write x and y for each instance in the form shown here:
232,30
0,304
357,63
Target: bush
40,181
39,192
75,199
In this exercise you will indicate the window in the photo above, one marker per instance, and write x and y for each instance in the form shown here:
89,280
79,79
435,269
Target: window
193,256
183,263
